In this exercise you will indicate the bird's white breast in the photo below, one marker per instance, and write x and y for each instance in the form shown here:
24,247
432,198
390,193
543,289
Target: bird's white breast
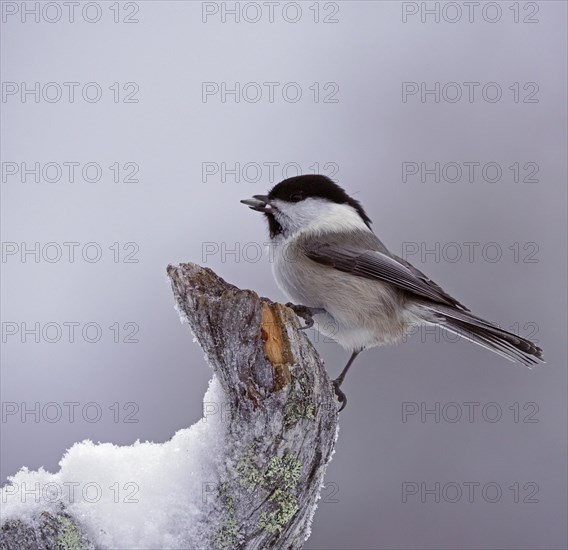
360,312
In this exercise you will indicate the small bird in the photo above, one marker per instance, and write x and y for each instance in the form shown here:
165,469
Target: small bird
328,261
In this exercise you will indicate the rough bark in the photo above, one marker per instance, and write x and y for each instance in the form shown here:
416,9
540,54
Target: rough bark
48,532
282,410
281,422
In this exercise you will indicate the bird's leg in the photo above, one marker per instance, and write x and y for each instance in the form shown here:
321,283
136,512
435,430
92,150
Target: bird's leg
306,313
339,380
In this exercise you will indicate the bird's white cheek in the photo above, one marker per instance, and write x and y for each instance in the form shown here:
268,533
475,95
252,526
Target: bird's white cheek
294,215
287,219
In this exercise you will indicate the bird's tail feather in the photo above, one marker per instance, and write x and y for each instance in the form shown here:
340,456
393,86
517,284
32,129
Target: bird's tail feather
488,335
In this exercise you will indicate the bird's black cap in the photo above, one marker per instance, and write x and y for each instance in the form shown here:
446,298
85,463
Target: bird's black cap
315,186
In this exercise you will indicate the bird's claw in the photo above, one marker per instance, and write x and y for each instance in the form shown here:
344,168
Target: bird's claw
304,312
341,397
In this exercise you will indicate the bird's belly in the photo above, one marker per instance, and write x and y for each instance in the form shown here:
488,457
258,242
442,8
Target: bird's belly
360,313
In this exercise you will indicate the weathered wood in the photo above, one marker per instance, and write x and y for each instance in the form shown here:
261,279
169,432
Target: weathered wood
282,410
48,532
279,427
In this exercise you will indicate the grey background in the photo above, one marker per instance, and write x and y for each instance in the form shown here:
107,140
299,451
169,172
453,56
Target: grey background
170,213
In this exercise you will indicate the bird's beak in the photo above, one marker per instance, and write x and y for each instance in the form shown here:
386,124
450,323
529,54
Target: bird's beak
260,203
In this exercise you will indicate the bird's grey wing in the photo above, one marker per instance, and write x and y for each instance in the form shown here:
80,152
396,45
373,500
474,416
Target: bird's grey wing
370,259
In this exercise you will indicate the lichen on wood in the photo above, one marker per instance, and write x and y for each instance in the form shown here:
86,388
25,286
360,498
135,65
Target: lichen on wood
276,438
283,411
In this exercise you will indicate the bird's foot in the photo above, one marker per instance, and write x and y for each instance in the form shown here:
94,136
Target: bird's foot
306,313
341,397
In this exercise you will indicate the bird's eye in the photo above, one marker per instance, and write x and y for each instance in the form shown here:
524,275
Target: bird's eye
296,197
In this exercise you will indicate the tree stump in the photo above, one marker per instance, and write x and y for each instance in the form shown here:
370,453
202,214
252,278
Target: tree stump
279,428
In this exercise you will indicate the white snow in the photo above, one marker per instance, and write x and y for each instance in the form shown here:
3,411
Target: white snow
146,495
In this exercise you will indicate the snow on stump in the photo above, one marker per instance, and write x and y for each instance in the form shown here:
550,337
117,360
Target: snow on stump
246,476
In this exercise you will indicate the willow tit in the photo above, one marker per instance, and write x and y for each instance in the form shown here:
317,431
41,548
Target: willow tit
329,262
